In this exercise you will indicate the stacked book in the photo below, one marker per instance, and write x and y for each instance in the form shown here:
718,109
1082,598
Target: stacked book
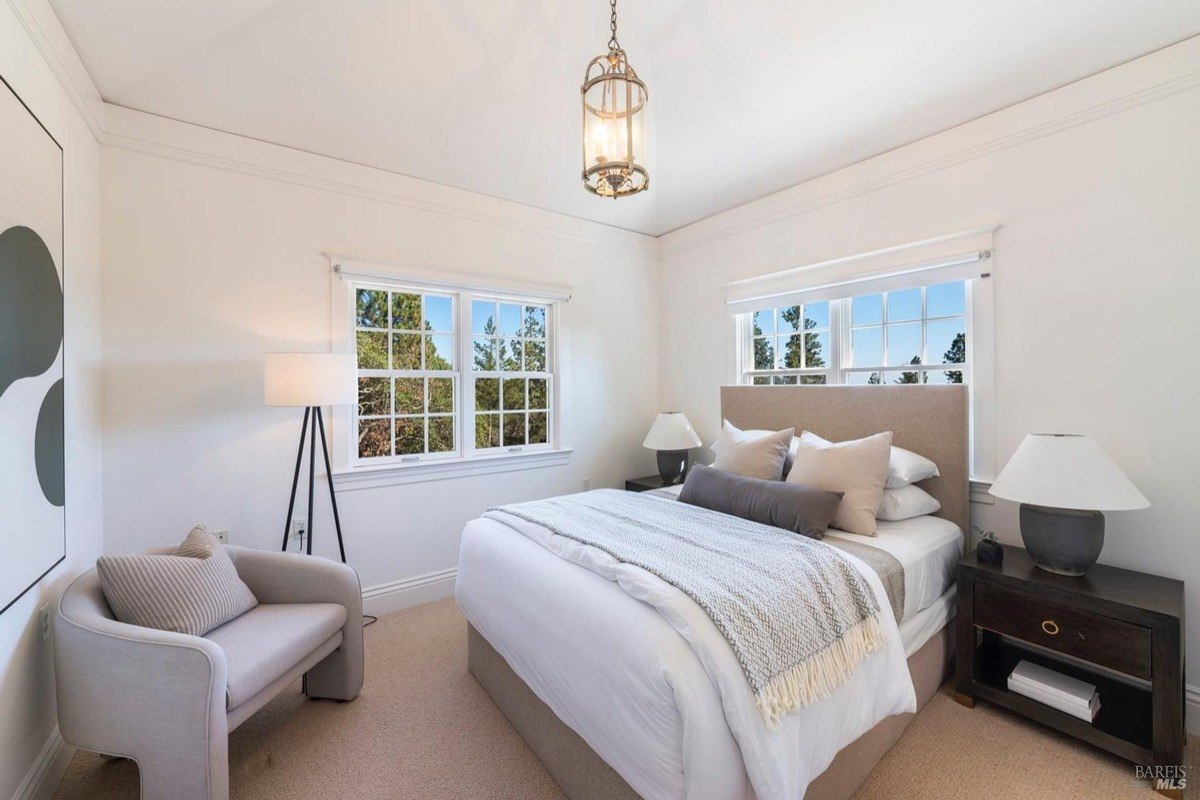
1067,694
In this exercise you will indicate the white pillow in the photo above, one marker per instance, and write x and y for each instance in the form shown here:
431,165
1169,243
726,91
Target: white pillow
752,454
905,467
857,469
907,502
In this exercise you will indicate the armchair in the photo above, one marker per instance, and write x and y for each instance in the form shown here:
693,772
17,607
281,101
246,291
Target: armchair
168,700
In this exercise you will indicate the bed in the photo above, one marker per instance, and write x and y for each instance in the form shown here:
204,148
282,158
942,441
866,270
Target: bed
617,704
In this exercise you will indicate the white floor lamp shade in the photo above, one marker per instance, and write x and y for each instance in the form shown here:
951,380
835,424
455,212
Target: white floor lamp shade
304,380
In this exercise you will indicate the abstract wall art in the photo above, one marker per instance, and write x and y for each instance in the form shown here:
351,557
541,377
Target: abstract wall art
32,435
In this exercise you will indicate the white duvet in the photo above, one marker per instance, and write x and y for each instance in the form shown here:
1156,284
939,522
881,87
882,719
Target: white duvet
640,672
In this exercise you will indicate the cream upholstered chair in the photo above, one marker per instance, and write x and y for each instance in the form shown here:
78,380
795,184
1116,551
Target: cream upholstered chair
168,700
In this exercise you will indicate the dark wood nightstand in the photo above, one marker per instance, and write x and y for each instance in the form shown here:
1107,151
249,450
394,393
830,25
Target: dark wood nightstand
644,484
1118,629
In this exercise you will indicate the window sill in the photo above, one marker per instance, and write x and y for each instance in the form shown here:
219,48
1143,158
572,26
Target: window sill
979,492
396,474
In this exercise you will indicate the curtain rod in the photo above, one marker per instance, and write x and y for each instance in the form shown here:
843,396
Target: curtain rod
473,283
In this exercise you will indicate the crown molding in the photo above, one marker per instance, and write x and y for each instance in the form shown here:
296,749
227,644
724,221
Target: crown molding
141,132
55,48
1153,77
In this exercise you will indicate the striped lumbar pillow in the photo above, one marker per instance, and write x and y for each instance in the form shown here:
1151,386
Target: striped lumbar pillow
191,591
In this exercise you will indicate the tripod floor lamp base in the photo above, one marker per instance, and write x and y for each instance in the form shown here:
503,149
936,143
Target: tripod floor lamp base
311,381
314,424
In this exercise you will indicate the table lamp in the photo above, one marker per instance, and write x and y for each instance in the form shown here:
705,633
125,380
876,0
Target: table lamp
672,436
1064,483
310,381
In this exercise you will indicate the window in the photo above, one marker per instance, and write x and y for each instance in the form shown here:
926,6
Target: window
912,335
915,313
449,375
792,341
407,381
511,375
923,329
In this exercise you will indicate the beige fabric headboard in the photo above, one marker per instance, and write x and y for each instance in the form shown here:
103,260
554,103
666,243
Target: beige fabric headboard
930,420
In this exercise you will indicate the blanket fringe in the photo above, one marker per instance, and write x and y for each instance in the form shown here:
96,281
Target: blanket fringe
821,675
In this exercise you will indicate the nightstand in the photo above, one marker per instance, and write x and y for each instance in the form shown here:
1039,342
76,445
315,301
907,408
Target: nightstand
1118,629
644,484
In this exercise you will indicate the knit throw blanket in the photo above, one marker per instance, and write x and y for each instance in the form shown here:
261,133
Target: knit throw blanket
796,612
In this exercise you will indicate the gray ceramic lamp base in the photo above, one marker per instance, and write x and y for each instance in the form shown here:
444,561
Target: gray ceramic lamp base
1062,540
672,465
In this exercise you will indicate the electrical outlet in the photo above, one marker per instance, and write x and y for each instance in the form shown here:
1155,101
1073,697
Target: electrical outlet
222,534
44,622
587,484
299,528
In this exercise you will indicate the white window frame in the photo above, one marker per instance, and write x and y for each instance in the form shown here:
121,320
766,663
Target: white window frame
349,471
904,266
471,375
456,375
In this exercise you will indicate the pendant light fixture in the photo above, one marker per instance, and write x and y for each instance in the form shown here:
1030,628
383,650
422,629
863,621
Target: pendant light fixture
614,123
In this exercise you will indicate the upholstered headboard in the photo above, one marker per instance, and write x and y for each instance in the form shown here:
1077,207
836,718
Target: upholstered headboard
930,420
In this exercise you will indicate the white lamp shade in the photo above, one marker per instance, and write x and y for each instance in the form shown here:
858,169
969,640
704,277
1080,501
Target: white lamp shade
1066,471
309,379
671,431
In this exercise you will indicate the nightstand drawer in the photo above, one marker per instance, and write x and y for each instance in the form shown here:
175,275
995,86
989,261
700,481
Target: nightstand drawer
1108,642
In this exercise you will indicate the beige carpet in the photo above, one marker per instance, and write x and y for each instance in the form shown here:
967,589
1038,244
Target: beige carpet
423,728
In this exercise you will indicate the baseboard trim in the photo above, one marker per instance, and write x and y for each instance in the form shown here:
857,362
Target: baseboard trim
47,770
1191,699
385,598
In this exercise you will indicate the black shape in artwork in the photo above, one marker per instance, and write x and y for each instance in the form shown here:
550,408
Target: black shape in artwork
31,306
49,451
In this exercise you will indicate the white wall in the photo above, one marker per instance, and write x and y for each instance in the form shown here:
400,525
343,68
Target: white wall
1096,279
28,725
212,247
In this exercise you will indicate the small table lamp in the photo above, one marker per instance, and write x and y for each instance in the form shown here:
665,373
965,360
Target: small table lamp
310,381
1064,483
672,436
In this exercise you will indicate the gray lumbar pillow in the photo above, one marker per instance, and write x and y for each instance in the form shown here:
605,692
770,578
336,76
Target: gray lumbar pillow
785,505
192,591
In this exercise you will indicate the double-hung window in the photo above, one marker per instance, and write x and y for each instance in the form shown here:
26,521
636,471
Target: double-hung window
448,374
511,374
915,314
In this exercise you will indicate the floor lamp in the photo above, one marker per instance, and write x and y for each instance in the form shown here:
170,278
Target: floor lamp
310,381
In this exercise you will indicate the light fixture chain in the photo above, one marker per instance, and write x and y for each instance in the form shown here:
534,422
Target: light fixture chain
612,42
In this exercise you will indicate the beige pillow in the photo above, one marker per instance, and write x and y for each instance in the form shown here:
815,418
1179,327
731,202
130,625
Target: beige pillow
752,454
791,454
191,591
857,469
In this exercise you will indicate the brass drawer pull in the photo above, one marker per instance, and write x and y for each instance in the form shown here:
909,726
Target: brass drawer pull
1050,627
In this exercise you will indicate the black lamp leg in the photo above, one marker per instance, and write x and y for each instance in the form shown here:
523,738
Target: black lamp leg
287,526
337,521
312,474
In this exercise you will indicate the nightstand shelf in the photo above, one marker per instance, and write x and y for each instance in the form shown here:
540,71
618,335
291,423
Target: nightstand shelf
1123,726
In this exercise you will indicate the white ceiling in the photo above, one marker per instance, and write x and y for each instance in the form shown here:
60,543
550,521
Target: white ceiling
745,98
